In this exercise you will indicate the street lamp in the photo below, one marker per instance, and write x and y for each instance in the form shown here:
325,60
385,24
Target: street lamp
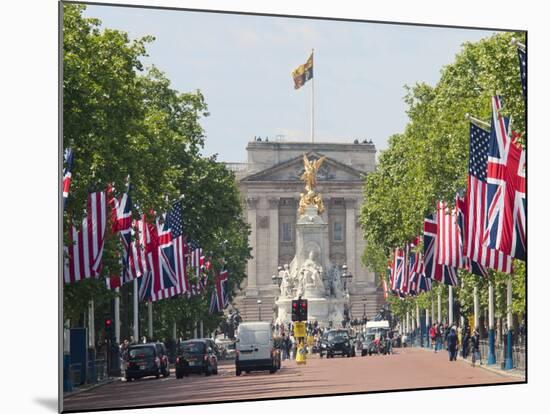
346,276
278,278
259,302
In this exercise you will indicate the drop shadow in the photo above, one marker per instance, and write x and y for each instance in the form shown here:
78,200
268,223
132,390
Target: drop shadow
52,404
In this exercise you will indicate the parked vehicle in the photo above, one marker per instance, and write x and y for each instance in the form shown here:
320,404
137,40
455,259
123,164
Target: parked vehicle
337,342
147,360
227,348
196,356
255,348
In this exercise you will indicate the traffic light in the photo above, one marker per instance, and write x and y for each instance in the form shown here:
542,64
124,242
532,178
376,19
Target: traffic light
303,309
109,333
299,310
295,310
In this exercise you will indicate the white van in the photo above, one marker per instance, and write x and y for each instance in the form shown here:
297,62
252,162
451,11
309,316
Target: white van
255,348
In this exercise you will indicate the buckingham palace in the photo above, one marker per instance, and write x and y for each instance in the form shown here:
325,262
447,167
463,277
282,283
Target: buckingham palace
270,186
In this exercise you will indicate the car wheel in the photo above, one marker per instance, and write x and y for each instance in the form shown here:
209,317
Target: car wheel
216,371
207,370
158,374
247,371
320,355
179,375
129,379
238,372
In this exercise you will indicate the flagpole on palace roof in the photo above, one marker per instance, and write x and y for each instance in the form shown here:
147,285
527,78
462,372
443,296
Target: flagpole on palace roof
312,102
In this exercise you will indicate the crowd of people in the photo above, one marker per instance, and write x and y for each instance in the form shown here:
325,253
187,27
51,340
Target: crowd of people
456,339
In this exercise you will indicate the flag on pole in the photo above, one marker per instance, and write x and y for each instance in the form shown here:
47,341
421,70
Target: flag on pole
67,174
432,268
398,269
506,186
113,282
122,224
449,242
474,208
303,73
174,220
219,298
85,251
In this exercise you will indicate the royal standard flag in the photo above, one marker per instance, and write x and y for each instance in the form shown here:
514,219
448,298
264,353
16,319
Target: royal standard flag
303,73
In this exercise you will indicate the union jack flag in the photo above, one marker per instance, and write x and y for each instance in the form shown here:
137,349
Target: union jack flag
85,250
121,213
67,174
398,269
506,185
432,268
219,298
416,273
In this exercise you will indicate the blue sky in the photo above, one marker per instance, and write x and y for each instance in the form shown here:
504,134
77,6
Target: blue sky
242,64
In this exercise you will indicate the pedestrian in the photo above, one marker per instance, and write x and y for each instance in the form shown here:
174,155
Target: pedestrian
124,355
474,347
292,346
284,347
465,342
452,342
433,336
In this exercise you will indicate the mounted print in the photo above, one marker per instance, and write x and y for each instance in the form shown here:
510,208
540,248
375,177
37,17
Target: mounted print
257,207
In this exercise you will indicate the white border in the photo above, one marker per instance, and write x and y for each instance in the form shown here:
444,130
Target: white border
29,202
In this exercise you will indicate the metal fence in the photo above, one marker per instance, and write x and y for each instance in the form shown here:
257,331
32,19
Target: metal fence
96,372
518,353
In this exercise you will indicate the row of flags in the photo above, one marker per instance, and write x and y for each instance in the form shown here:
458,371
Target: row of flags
158,254
486,228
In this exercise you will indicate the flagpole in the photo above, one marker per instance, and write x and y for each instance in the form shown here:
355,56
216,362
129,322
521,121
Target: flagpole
135,313
450,316
150,319
491,359
312,104
117,315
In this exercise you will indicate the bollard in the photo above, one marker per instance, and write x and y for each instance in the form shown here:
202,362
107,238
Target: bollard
491,359
67,383
508,362
300,354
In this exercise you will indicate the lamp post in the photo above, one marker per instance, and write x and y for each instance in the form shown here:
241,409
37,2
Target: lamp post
259,302
346,276
278,278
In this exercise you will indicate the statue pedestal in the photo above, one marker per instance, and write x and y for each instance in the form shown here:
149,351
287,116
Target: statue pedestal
322,310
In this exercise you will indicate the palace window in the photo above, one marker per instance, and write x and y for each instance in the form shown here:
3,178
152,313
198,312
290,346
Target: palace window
337,231
287,232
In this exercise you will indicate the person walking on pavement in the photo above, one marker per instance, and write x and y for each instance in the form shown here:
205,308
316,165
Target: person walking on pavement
465,342
433,334
474,347
452,342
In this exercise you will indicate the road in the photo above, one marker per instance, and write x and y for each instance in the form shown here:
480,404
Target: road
408,368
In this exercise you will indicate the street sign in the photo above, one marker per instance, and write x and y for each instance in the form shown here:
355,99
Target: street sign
299,329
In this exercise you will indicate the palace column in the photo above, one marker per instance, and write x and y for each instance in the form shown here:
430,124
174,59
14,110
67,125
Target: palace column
350,238
273,257
251,270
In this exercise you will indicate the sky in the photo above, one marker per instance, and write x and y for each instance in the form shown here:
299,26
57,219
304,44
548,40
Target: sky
242,64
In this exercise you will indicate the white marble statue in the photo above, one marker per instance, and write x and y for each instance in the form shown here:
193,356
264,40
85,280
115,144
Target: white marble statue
311,274
286,283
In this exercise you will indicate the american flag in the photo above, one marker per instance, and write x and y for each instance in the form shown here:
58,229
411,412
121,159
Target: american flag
67,174
506,186
174,220
474,208
196,261
219,298
441,273
522,55
85,250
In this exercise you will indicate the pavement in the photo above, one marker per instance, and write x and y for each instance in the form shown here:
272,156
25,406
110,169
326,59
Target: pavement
408,368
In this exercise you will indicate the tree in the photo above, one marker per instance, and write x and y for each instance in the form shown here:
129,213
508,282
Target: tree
428,161
122,120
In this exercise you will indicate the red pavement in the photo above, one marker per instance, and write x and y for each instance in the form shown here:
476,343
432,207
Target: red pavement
409,368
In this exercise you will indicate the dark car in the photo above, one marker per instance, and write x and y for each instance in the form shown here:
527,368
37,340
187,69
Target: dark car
337,342
196,356
146,360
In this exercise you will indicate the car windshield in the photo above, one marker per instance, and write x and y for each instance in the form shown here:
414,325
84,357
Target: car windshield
141,352
338,335
192,348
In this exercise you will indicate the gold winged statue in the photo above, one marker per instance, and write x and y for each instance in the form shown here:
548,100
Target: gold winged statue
309,177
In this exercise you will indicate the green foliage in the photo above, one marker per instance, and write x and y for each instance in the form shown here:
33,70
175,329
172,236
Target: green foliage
123,120
428,161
